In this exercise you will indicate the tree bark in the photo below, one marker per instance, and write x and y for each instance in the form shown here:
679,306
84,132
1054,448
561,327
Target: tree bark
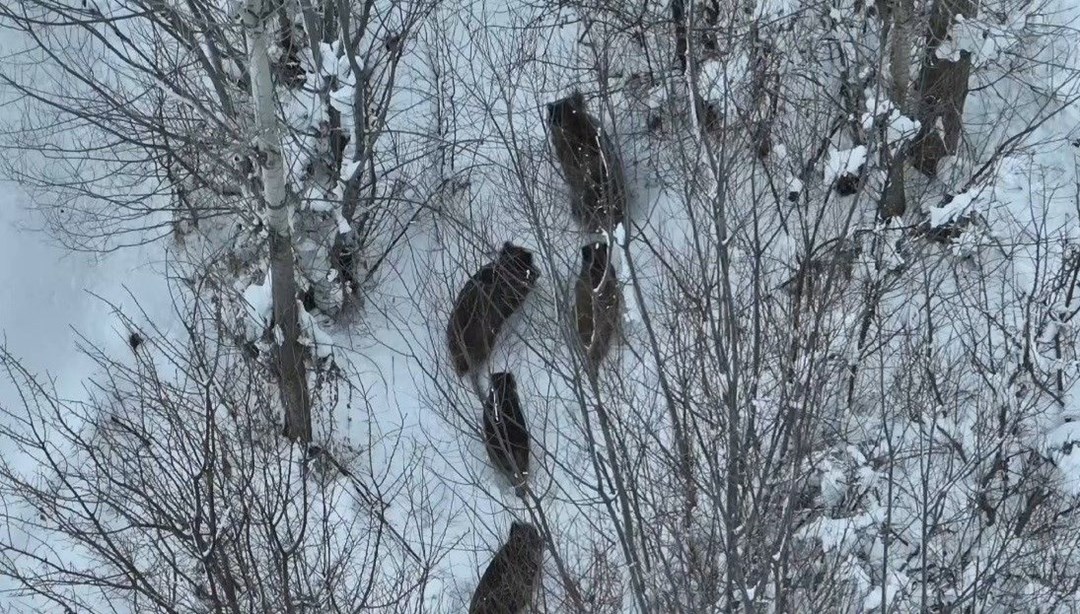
682,43
900,52
943,88
288,353
894,196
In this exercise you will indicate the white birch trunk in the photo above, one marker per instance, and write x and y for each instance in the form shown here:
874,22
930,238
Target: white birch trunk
262,91
288,353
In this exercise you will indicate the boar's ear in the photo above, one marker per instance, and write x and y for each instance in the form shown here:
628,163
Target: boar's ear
508,380
524,530
577,100
506,251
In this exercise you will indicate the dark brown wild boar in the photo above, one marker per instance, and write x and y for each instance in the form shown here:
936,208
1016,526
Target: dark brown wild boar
589,163
512,577
597,303
506,435
484,304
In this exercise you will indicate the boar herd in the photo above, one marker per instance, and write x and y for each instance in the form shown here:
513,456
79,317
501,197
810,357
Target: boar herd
592,169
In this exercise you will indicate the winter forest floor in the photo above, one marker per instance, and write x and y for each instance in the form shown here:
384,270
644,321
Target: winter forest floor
937,384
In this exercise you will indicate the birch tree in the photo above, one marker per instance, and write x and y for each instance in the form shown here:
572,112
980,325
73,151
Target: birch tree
166,489
165,150
279,203
264,153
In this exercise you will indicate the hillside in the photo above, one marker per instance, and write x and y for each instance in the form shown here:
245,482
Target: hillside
843,368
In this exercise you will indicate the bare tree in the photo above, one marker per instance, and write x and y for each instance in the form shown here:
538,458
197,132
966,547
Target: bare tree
167,146
168,490
836,387
264,142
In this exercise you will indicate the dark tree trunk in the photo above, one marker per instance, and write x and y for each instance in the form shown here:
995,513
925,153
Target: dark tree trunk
682,44
943,88
288,355
894,196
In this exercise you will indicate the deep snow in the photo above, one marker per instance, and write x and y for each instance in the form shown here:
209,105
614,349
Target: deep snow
45,292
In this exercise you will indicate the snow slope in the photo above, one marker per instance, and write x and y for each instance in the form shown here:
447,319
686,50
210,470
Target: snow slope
419,422
52,301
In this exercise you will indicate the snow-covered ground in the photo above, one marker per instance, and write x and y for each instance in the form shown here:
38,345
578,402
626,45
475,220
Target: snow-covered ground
419,422
52,301
51,295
